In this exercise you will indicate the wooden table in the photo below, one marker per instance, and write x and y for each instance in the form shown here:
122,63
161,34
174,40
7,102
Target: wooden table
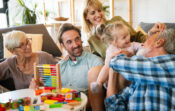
4,97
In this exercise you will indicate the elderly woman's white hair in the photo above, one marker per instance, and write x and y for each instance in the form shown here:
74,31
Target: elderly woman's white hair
12,39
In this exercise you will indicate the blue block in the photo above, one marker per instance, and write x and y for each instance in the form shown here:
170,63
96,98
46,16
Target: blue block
37,107
21,108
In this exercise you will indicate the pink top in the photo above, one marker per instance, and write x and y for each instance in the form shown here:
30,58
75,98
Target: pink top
134,47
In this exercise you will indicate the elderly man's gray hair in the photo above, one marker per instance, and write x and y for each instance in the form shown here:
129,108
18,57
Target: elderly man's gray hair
169,36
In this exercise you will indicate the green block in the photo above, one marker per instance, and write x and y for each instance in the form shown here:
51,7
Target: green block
54,91
78,99
59,105
32,108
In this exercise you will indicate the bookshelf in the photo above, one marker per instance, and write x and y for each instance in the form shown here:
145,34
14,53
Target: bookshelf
71,6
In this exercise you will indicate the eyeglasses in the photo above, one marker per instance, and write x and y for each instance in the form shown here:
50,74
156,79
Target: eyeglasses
24,45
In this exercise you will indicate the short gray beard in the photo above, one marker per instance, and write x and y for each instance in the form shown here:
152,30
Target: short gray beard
143,52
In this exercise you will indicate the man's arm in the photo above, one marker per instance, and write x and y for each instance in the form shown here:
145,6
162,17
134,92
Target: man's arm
157,70
119,102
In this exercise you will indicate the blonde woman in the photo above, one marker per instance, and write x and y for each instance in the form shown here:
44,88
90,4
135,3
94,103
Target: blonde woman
20,65
93,15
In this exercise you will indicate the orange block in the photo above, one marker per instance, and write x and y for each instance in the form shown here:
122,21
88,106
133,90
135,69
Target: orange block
38,92
69,101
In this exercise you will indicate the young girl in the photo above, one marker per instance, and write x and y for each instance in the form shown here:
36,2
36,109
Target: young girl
118,37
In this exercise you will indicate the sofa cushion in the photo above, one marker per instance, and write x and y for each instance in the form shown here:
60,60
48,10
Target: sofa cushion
48,43
147,26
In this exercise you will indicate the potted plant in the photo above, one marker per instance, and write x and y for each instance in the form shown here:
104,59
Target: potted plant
106,10
29,16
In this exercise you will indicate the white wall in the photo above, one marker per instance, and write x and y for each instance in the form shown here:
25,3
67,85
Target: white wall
147,10
142,10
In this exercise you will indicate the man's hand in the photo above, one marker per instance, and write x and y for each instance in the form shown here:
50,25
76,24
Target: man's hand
158,27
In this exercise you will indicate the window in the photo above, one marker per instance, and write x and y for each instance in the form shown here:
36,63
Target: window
1,4
3,13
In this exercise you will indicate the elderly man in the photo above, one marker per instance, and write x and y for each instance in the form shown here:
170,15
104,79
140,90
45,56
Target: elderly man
74,69
152,76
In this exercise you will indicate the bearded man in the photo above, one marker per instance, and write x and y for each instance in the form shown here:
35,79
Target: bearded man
152,73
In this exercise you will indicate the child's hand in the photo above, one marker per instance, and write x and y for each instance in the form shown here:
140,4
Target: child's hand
99,29
127,53
111,56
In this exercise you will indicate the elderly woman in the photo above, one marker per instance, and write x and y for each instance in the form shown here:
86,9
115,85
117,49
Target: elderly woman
20,65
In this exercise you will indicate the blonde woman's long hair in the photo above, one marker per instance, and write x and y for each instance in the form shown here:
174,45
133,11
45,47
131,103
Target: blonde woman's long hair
86,24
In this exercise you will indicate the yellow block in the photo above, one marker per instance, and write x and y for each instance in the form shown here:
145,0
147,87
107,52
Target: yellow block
65,90
26,108
50,101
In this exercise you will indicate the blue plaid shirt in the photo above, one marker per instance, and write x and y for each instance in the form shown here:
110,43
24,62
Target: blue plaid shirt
153,84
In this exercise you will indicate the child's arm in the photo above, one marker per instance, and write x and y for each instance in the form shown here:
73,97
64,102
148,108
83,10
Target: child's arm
103,75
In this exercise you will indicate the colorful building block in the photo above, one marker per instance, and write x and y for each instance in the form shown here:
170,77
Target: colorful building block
15,104
26,108
38,91
55,105
8,105
21,108
43,98
65,90
50,101
68,96
27,101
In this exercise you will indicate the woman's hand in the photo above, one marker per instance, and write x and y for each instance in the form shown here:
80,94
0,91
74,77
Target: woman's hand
158,27
34,85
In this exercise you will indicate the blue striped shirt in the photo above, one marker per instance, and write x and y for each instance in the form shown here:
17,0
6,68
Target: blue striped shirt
153,83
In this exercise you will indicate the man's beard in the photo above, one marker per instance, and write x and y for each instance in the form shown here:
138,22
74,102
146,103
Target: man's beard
143,52
72,53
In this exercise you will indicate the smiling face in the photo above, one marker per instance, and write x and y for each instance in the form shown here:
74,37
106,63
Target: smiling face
24,49
72,43
122,38
95,16
148,48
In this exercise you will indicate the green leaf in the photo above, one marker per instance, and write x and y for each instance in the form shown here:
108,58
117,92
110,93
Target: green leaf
35,5
21,2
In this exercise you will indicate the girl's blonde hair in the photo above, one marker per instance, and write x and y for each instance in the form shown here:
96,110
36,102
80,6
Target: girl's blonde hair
87,25
109,32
